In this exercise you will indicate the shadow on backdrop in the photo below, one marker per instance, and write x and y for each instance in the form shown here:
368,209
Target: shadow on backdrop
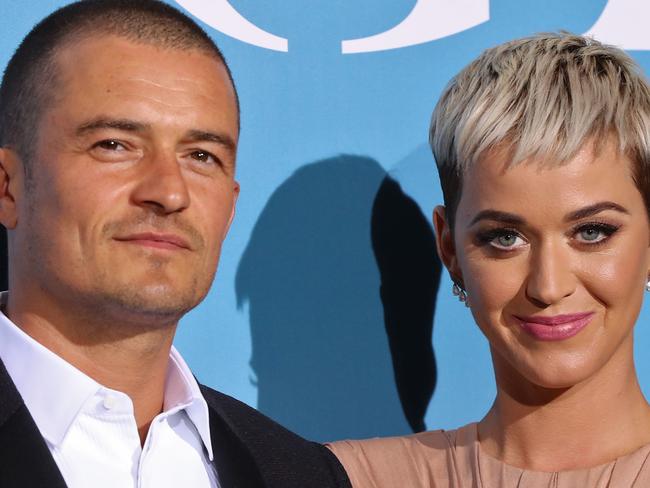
320,350
405,250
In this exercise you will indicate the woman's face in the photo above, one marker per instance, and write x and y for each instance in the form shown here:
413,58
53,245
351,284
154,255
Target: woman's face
554,260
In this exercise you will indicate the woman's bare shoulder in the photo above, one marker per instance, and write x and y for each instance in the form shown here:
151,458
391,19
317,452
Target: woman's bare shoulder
426,459
429,442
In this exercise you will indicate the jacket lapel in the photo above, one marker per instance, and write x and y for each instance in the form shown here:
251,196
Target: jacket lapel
252,451
25,460
234,463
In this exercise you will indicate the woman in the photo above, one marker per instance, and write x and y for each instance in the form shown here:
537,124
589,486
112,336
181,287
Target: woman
543,150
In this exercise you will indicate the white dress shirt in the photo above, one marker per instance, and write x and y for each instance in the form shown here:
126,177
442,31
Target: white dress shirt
91,430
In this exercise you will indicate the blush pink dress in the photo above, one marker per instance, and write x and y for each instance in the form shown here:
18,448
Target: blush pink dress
453,459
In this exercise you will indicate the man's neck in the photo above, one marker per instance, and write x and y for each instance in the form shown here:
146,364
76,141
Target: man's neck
132,359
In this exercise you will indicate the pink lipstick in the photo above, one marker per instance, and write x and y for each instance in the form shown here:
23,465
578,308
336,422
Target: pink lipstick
555,328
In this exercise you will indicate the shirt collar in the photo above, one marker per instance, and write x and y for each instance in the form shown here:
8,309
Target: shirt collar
55,400
182,392
61,390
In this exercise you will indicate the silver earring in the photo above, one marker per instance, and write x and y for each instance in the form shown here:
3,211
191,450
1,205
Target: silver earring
459,291
647,285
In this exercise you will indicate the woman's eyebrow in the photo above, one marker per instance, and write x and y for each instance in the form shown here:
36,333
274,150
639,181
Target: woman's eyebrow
593,210
498,216
514,219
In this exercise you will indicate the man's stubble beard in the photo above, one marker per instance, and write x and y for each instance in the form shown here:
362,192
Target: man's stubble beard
154,304
105,297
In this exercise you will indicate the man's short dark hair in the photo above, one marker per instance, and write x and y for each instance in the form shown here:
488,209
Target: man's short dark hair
30,79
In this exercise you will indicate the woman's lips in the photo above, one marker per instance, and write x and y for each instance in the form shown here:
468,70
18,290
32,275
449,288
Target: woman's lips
555,328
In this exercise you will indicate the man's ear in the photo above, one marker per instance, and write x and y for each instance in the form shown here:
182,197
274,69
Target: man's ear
445,244
235,196
11,176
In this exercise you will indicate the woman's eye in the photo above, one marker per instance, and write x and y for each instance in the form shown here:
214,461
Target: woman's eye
501,239
593,234
507,241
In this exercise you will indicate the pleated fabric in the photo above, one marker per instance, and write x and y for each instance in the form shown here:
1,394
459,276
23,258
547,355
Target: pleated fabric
453,459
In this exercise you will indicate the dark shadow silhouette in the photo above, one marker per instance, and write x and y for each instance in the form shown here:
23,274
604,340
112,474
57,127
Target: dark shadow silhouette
405,250
320,352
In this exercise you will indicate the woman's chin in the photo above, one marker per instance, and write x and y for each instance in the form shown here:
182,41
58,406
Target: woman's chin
550,373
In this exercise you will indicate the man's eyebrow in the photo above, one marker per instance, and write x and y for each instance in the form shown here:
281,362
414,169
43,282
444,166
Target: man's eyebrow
206,136
107,123
498,216
128,125
593,210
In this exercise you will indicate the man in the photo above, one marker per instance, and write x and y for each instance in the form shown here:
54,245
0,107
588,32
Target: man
119,124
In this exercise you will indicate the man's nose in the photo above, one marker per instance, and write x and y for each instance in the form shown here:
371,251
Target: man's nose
162,186
551,277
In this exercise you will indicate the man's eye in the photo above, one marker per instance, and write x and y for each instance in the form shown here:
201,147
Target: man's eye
204,157
110,145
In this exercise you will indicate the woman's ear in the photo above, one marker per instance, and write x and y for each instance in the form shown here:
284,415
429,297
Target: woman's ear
445,243
10,176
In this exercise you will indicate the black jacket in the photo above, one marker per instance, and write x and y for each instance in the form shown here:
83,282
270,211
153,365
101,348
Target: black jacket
250,450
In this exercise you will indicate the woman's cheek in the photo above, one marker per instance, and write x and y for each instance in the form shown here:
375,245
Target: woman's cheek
493,284
615,279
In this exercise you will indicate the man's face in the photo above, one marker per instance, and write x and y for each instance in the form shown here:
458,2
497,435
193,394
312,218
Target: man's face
133,184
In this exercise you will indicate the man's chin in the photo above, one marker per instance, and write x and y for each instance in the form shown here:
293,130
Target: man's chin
159,304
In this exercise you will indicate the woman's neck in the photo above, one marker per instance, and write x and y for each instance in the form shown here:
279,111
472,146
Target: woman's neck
591,423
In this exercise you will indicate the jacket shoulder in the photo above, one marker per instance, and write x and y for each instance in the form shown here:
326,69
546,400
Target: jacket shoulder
282,458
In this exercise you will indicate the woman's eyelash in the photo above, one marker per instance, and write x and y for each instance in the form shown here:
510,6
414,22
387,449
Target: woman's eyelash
489,235
605,228
602,226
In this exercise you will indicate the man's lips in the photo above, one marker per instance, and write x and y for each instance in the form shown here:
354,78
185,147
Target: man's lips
156,240
556,327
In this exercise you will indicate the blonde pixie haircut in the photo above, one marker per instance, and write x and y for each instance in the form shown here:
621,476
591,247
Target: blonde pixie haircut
541,98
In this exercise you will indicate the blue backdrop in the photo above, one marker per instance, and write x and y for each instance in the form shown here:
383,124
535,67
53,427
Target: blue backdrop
327,292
